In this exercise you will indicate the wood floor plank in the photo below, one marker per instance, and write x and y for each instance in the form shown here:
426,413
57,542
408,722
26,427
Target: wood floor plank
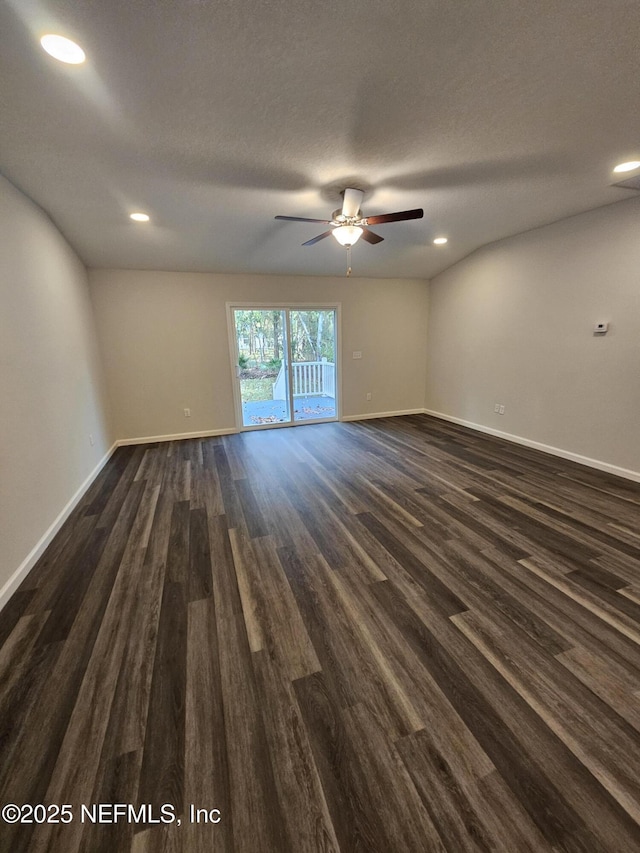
458,671
148,462
305,812
269,485
580,531
592,730
272,618
349,551
620,565
253,517
206,768
162,772
16,647
66,598
349,668
606,680
373,639
253,605
394,634
205,492
116,782
477,587
129,712
567,616
104,486
337,757
200,584
178,567
112,507
60,670
159,839
177,474
23,668
230,501
434,588
223,569
233,451
451,736
467,521
341,487
568,495
388,787
320,523
594,598
456,814
510,825
78,760
52,587
256,811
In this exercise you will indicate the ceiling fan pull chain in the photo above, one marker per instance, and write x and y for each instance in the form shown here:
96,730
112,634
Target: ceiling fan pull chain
348,261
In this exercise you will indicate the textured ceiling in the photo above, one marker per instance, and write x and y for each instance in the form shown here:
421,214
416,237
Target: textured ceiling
495,116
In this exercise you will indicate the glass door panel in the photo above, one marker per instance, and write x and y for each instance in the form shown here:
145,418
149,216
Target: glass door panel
263,377
312,338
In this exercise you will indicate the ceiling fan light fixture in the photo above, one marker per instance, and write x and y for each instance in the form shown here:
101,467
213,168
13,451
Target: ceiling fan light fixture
347,235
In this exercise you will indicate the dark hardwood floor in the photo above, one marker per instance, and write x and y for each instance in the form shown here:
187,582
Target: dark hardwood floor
395,635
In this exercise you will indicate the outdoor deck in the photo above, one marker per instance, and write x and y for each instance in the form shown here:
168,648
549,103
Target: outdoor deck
315,407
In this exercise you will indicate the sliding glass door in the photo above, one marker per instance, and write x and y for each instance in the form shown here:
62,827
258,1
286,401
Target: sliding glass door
313,363
286,366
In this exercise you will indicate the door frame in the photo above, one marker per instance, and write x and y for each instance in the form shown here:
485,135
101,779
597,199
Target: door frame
233,353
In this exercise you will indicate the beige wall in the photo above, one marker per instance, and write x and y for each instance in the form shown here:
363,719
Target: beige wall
513,324
165,343
51,389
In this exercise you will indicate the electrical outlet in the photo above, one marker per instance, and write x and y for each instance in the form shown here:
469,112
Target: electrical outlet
496,408
368,395
187,413
91,439
357,354
502,410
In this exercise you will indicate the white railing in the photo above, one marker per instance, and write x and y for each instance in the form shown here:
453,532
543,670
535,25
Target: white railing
310,379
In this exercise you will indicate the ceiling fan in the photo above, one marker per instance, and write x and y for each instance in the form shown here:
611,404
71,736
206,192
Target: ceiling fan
348,224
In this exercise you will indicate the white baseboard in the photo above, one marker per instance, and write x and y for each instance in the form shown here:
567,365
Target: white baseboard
372,415
627,473
151,439
36,552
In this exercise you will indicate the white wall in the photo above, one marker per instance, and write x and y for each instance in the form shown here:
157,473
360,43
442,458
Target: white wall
165,343
513,322
51,391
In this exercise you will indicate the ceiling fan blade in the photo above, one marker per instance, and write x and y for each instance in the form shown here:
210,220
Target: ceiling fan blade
351,203
302,219
370,237
317,239
418,213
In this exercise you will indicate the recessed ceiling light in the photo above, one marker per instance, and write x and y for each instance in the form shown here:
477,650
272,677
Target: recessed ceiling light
440,241
63,49
139,217
628,167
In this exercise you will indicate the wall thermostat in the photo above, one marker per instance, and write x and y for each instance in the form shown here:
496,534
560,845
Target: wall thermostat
601,328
